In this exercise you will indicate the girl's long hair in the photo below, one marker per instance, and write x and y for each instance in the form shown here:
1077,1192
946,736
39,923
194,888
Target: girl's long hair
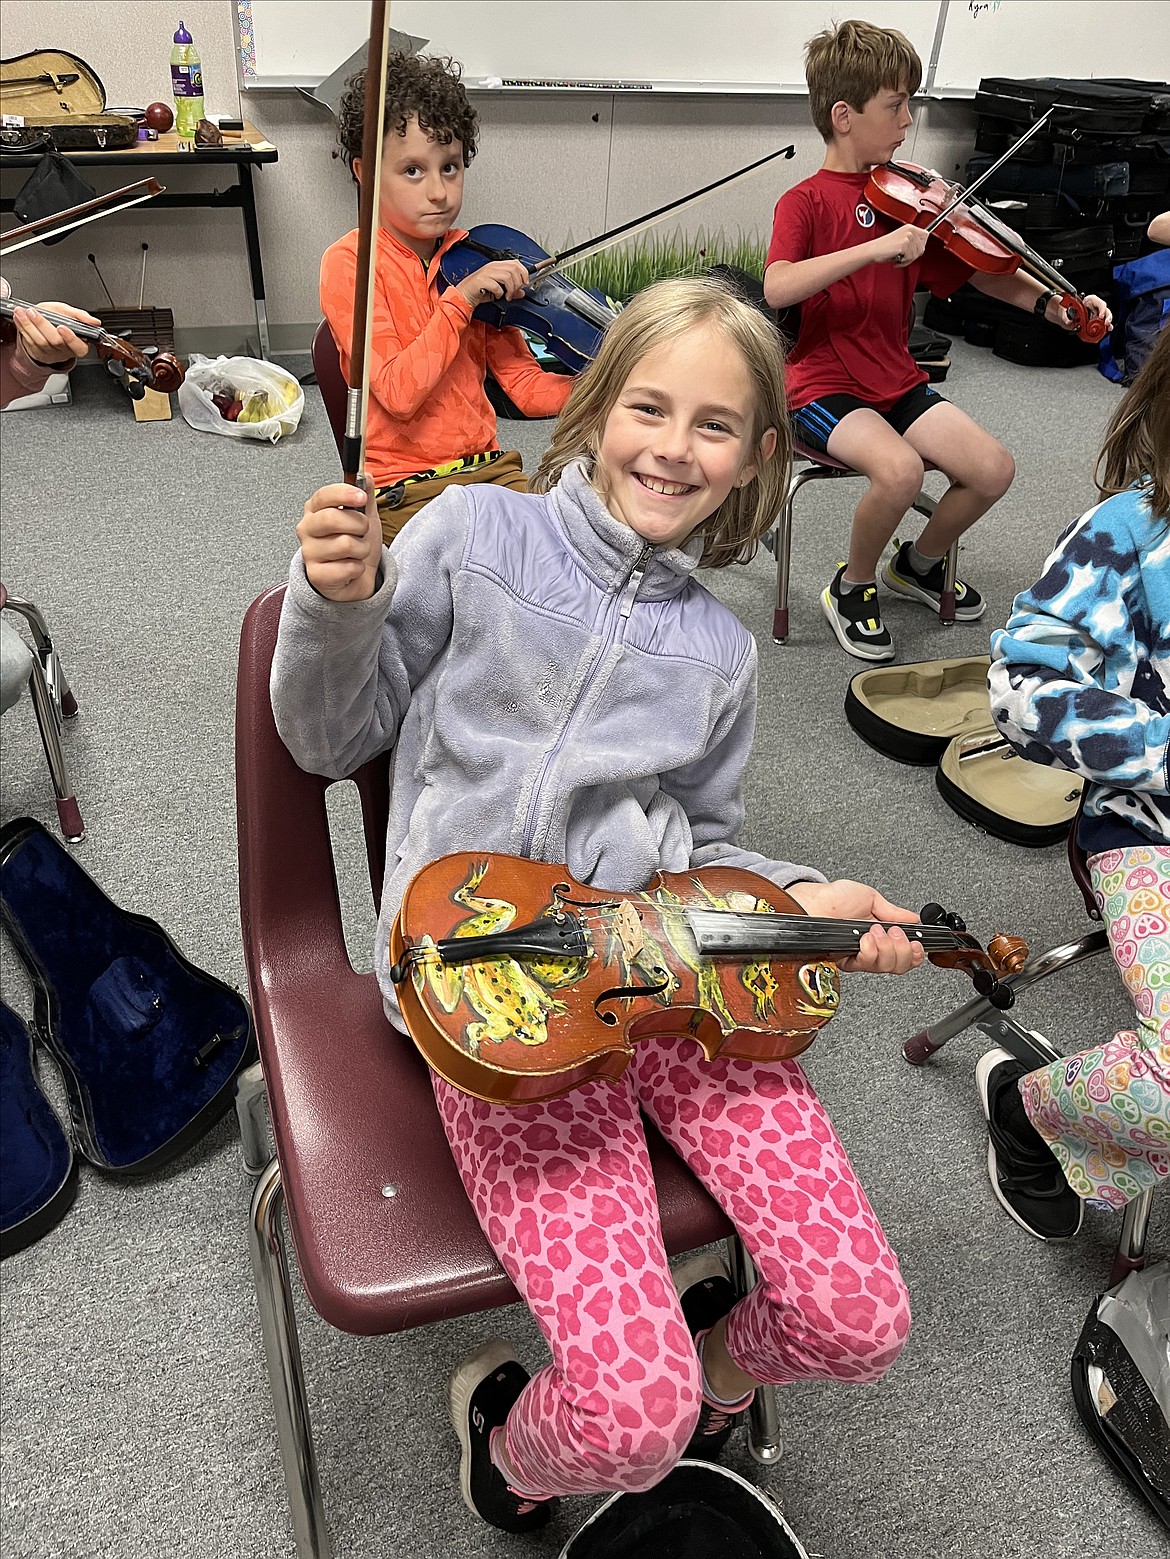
1137,440
662,314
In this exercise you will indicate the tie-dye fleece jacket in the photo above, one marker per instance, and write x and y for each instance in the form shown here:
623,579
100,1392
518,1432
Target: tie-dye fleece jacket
1080,677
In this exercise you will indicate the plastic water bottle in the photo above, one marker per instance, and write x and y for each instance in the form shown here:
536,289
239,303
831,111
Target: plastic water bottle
186,84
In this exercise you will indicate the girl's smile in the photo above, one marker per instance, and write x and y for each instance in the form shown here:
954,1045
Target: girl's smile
678,438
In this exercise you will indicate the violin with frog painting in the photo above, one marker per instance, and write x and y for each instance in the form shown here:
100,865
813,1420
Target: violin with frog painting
518,983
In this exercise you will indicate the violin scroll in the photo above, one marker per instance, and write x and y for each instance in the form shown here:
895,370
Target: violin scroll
1005,955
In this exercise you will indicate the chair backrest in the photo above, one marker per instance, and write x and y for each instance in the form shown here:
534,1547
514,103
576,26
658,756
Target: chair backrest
330,380
1078,863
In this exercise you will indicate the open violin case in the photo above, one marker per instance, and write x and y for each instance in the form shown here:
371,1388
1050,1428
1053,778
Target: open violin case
700,1510
938,712
147,1046
61,103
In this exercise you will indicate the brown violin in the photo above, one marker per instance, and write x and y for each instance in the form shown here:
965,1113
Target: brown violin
518,983
139,368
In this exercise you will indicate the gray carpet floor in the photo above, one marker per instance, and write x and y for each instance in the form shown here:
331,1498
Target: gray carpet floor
136,1415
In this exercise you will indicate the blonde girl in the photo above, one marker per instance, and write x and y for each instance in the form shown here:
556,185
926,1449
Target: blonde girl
558,684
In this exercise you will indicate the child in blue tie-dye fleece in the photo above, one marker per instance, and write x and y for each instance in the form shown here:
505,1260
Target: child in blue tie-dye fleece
1080,678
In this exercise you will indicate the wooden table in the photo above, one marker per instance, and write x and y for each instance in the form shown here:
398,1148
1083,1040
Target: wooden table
249,150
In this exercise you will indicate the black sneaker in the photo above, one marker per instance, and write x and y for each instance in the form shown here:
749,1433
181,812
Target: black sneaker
856,619
706,1294
927,588
481,1394
1025,1178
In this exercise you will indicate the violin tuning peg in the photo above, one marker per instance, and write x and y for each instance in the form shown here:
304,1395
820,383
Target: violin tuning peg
136,390
117,368
932,914
984,981
956,922
150,351
1002,997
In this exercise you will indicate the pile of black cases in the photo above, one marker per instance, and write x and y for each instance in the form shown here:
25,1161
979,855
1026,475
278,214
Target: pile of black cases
1081,193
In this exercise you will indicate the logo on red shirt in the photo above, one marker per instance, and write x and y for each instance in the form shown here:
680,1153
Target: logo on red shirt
865,215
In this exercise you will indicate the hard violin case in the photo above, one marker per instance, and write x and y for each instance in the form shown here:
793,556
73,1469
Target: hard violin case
700,1510
62,103
147,1046
938,712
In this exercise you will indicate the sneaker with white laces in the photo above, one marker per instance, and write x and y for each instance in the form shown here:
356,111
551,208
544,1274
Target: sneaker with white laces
900,577
1025,1177
856,619
481,1394
706,1295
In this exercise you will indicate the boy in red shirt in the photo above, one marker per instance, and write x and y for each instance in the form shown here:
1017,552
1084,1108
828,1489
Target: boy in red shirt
430,422
854,390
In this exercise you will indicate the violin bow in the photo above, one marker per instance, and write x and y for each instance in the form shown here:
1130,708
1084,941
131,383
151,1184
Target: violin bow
602,241
77,216
373,125
995,167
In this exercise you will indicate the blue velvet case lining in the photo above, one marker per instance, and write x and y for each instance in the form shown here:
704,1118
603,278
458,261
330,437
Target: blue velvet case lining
148,1044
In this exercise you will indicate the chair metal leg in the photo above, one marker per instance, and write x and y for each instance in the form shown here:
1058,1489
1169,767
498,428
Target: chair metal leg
764,1439
49,722
285,1374
921,1046
925,505
1131,1247
252,1114
782,546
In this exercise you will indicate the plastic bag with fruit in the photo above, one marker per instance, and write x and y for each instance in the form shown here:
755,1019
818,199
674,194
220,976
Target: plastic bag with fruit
240,396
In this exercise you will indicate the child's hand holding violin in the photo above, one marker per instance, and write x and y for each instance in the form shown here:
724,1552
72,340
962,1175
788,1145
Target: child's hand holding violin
1096,307
51,346
901,247
879,951
341,542
501,280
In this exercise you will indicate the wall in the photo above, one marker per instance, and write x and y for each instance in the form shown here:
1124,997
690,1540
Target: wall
557,166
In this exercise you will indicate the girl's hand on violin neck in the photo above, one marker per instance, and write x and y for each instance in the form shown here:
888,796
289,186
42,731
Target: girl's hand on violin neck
901,247
47,344
499,279
879,951
341,542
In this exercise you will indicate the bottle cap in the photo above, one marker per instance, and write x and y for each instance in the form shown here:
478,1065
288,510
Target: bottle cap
182,36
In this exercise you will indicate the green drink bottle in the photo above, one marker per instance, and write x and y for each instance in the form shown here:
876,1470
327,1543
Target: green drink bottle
186,84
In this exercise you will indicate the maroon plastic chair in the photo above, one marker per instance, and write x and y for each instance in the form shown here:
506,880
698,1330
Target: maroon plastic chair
330,380
384,1235
810,465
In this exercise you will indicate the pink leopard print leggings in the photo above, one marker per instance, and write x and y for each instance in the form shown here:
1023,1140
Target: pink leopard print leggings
565,1195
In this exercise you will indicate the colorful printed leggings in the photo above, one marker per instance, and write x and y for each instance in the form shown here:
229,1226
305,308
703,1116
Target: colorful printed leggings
566,1198
1106,1112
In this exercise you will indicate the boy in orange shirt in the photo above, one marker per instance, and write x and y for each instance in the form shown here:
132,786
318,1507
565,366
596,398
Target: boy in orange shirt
854,391
430,422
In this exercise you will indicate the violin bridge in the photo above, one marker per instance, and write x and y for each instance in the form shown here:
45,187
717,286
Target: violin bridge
628,930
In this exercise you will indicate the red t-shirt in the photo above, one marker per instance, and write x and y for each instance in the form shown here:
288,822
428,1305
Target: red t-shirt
853,335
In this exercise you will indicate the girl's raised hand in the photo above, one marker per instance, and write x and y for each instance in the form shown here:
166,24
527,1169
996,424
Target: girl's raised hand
879,951
341,542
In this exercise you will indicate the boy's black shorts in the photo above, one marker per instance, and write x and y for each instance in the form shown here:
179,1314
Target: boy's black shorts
813,424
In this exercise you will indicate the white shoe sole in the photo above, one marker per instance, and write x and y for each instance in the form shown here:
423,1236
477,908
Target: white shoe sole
983,1071
697,1269
859,652
460,1388
913,592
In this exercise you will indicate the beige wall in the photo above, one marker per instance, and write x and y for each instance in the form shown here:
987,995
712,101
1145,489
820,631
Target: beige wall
558,166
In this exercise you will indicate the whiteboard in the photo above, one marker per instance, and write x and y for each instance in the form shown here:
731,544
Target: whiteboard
1032,38
680,45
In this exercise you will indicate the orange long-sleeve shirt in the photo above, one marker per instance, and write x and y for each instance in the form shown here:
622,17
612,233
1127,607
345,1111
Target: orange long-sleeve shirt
428,358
